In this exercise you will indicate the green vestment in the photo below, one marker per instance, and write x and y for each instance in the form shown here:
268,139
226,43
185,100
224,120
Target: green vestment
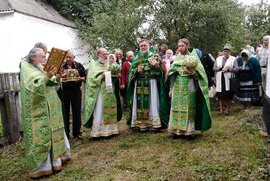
187,105
143,91
42,116
94,84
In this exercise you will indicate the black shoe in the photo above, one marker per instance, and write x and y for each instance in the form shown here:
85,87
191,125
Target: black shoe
156,130
80,137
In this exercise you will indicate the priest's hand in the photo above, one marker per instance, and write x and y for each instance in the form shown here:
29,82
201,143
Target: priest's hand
58,76
156,65
64,75
81,78
140,69
51,72
170,92
122,86
191,72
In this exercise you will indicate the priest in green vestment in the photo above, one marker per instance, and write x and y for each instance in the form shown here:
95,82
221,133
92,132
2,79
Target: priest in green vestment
46,144
190,108
100,112
147,99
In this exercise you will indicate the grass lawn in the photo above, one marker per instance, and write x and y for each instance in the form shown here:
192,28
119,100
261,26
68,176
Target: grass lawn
231,150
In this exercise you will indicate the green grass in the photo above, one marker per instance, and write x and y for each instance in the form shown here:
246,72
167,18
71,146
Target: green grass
231,150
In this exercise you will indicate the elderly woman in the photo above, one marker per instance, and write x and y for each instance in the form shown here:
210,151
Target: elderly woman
249,77
115,68
225,67
46,144
168,59
120,59
124,76
190,109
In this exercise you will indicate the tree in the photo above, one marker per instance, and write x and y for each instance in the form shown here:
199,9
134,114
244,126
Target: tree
258,22
117,28
81,10
208,24
115,24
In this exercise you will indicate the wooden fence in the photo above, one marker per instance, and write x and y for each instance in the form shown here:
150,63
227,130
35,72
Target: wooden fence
10,107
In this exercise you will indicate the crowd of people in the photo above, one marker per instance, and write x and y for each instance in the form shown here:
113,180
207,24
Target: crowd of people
244,78
158,90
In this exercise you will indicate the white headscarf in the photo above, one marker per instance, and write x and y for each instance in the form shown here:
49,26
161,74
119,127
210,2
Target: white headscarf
114,57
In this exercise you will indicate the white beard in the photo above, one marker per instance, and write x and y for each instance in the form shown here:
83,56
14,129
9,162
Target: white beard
39,66
145,52
103,61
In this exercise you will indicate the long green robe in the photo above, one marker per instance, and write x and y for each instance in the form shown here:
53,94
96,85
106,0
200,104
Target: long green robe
94,84
42,116
143,89
187,105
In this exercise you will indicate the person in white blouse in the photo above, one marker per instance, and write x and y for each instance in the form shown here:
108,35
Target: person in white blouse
225,66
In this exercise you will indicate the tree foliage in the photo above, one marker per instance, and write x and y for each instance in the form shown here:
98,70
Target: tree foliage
110,23
209,24
80,10
118,28
258,22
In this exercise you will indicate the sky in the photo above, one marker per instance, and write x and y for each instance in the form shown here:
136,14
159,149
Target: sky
250,2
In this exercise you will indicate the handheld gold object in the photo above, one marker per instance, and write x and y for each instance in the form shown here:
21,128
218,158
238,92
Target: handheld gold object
72,75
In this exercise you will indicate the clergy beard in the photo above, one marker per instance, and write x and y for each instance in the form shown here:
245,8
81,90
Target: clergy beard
39,66
102,61
145,52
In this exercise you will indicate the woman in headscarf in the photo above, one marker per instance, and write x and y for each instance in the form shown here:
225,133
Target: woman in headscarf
168,60
249,79
115,69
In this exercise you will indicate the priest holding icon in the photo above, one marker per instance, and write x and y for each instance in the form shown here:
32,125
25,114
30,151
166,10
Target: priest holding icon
46,145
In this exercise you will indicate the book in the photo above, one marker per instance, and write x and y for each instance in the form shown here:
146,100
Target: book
55,60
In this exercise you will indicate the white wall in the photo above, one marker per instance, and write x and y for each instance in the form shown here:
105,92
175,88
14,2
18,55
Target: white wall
19,33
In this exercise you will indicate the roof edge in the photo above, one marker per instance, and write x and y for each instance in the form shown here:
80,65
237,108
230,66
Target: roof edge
7,11
28,14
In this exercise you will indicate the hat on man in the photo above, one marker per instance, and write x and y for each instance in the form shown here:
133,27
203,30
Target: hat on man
227,47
